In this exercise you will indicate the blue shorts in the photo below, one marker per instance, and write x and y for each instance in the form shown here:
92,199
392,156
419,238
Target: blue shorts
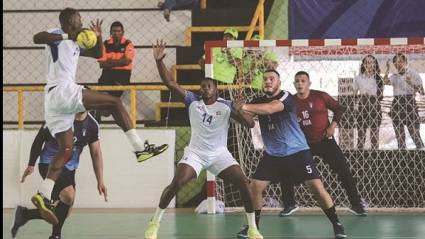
295,168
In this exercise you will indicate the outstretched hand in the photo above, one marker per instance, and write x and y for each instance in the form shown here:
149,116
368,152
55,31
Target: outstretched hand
158,49
97,27
28,171
103,190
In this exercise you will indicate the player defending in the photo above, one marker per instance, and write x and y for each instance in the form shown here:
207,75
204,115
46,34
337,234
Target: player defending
209,119
312,110
286,153
86,132
63,98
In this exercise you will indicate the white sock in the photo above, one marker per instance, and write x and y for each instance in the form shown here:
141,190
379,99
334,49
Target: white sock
46,187
158,215
251,220
135,140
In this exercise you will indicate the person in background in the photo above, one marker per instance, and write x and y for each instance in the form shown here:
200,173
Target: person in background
369,86
404,110
169,5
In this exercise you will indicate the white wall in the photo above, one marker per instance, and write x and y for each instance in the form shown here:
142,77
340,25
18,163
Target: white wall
130,184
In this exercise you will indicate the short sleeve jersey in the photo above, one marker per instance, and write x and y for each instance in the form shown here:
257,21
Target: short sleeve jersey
85,132
62,60
209,124
281,133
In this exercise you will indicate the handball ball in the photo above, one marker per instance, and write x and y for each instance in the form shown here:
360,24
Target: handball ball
86,39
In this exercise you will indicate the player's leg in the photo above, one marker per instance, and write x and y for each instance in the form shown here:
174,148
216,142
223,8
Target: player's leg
184,173
288,198
325,201
332,155
96,100
235,176
66,200
42,200
257,188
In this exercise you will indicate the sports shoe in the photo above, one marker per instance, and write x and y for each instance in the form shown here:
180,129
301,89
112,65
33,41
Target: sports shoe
244,232
152,231
19,221
150,151
253,233
339,231
360,208
287,211
45,207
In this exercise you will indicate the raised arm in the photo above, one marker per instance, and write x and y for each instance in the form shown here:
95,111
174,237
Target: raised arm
97,160
97,50
166,76
48,38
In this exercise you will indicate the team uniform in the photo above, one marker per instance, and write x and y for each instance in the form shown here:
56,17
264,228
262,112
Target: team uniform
85,132
118,75
286,156
208,142
62,96
312,113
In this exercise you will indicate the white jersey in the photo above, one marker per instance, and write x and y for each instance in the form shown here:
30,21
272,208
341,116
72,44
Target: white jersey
209,124
62,60
399,82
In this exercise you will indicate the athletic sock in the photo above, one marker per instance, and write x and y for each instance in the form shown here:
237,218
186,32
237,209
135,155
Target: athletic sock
331,214
61,212
250,216
46,188
135,140
158,215
31,214
257,218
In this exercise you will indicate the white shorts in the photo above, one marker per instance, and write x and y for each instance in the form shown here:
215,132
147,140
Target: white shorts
215,164
61,104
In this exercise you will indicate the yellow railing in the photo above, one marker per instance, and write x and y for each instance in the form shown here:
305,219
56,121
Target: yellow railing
20,90
174,68
189,30
203,4
258,17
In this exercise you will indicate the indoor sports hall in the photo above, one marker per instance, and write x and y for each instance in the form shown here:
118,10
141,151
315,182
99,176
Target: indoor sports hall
150,71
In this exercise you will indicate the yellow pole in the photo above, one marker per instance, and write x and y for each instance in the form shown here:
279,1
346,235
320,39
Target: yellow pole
187,36
254,20
133,104
203,4
261,19
20,109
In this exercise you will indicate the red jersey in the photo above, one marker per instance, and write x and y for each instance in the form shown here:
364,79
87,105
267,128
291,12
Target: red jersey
312,113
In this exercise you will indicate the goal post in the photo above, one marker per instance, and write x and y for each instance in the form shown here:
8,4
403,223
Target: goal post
388,176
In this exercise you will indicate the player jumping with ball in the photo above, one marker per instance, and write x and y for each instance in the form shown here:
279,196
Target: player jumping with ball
63,98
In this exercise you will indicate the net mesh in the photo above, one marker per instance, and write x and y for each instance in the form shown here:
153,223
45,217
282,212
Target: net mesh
380,136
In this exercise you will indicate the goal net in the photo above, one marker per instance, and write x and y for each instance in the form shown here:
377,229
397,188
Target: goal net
380,136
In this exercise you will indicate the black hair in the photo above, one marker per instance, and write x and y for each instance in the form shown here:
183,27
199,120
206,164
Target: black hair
399,55
66,14
117,24
272,70
299,73
378,78
211,79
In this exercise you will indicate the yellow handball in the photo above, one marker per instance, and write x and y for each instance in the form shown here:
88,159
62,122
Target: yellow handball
86,39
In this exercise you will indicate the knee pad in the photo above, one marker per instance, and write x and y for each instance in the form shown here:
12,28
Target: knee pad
67,153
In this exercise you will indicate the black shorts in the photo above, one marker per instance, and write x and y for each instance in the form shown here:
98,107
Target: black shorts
66,178
115,77
295,168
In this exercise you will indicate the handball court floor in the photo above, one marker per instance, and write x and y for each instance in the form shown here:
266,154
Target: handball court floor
185,224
